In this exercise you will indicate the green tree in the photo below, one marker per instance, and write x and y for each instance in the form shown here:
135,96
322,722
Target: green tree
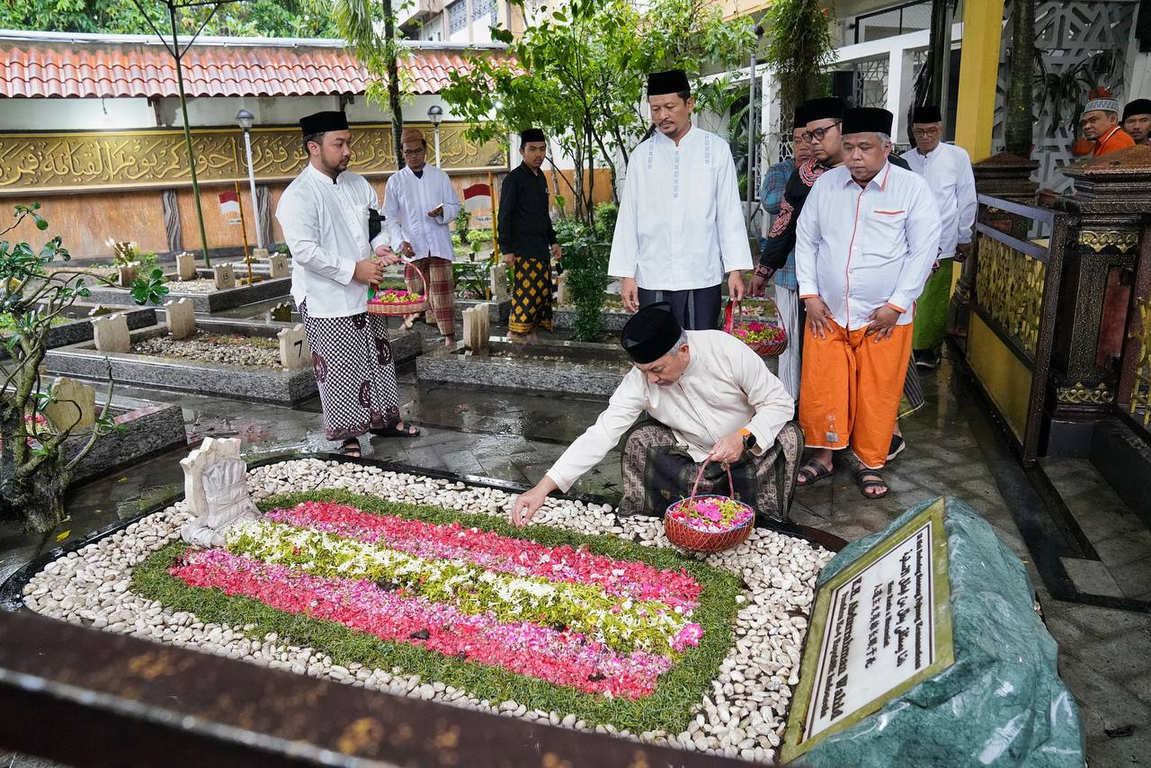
251,18
801,50
1018,119
579,74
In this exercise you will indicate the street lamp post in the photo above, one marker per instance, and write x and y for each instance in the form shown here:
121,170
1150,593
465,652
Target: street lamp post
245,119
436,114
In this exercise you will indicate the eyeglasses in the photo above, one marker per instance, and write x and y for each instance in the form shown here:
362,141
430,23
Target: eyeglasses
414,152
923,133
817,134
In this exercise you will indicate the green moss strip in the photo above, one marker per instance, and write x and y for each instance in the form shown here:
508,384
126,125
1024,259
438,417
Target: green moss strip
668,708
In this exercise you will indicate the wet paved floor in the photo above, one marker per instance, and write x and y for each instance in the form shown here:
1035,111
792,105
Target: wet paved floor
1105,654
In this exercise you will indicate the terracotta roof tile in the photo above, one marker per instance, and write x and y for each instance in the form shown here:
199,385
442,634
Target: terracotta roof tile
108,69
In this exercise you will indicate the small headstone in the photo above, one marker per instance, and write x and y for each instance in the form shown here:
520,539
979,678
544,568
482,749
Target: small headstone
562,289
100,309
216,491
185,266
282,312
74,406
278,266
110,333
225,275
477,328
259,253
499,282
294,352
126,274
181,318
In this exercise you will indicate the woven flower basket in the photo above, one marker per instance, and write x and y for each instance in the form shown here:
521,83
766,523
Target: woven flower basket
761,348
392,308
682,534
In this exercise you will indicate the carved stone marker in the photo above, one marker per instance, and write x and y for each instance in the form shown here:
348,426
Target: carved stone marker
498,278
282,312
74,407
127,273
110,333
294,352
562,289
259,253
181,318
278,264
225,275
476,328
185,266
216,489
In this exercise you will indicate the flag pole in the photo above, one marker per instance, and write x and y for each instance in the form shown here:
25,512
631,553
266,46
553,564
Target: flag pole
244,230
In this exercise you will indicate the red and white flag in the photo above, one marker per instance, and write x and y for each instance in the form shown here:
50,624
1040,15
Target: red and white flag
477,197
230,207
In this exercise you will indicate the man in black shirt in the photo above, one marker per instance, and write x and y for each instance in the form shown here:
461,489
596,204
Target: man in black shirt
527,238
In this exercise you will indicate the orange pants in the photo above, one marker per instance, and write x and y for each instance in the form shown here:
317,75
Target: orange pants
850,390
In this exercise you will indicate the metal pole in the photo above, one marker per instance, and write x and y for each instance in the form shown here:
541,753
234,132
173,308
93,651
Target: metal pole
252,187
188,135
244,231
437,127
751,138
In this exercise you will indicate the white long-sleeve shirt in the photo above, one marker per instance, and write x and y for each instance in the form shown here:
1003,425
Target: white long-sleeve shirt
407,201
861,248
325,226
725,388
947,169
680,223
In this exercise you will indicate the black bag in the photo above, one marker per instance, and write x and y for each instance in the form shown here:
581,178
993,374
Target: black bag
375,223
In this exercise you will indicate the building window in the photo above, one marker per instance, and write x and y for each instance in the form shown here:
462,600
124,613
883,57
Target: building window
908,17
457,15
482,8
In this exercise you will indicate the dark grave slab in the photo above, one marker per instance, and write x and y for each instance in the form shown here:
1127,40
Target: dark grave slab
78,327
147,428
557,367
925,647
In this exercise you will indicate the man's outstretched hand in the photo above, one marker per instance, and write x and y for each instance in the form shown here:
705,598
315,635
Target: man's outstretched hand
526,505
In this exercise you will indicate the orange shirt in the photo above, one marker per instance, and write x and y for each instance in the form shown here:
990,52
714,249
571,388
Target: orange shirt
1113,142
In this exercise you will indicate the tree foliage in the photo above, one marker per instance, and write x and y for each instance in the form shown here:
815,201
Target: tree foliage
801,51
34,293
251,18
579,74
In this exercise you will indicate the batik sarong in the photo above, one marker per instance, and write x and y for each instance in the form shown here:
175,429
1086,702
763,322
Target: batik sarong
355,372
531,292
657,473
440,291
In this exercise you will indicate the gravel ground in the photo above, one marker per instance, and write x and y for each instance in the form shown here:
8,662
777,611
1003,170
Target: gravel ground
251,351
744,715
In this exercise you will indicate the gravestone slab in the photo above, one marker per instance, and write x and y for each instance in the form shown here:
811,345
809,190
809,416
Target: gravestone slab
181,318
110,333
294,353
259,253
74,406
126,273
562,288
215,487
225,275
277,266
925,648
498,279
477,327
282,312
185,266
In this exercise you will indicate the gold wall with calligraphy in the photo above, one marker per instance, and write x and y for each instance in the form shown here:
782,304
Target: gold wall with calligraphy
53,163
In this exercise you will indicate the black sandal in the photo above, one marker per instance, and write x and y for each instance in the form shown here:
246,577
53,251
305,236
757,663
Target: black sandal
399,429
813,472
351,448
865,485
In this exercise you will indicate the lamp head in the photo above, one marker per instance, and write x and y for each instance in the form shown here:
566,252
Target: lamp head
435,114
245,119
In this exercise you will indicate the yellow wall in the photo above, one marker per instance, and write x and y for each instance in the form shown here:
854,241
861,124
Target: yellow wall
978,72
1007,381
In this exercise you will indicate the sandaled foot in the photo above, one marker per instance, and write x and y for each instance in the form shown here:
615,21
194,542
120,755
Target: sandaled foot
811,473
399,429
409,322
871,483
350,448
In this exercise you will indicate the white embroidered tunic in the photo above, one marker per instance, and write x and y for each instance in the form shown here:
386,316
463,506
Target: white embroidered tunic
325,226
407,201
680,224
947,169
726,387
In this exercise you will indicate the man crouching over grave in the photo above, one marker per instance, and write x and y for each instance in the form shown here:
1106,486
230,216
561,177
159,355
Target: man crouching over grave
709,399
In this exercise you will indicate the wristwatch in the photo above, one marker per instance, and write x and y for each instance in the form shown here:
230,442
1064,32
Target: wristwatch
748,439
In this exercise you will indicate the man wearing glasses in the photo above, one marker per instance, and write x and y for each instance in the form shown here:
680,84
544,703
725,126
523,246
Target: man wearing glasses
947,169
419,205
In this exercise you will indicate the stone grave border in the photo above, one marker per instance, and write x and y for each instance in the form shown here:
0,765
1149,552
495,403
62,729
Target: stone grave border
281,387
79,329
205,303
449,364
150,428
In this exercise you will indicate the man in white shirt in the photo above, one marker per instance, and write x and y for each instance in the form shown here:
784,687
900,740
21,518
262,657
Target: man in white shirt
947,169
711,399
680,224
420,203
865,245
324,216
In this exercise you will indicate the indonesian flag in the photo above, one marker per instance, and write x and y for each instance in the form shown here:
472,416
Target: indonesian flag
230,207
477,196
